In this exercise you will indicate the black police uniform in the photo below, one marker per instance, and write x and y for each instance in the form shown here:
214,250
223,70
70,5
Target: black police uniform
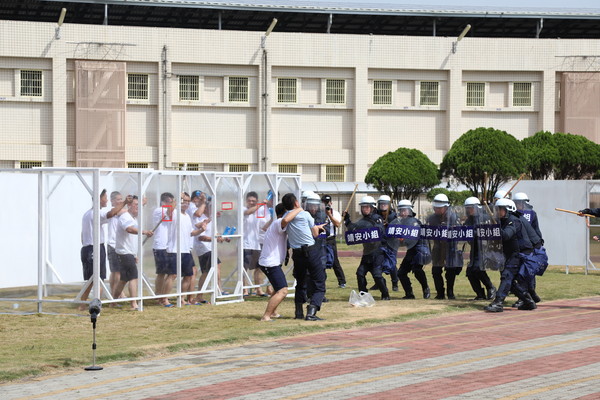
475,273
410,263
443,252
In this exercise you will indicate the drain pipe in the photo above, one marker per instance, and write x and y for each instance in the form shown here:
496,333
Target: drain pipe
165,108
265,93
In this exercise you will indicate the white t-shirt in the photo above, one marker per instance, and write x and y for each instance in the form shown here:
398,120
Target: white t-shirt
191,209
161,233
251,228
338,217
126,243
87,226
184,237
275,245
200,247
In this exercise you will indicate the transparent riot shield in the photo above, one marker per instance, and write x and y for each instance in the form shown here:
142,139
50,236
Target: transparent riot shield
446,235
365,232
487,233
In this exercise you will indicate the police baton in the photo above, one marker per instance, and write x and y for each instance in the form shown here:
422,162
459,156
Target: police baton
515,184
351,197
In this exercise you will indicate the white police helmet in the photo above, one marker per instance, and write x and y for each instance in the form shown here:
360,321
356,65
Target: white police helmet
405,204
384,199
440,200
313,198
506,203
307,193
367,200
520,196
472,201
500,194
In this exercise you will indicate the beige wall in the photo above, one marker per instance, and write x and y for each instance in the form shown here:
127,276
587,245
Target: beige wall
165,130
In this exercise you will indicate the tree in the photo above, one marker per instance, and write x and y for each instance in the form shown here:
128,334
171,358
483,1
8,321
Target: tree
403,174
542,155
484,151
579,157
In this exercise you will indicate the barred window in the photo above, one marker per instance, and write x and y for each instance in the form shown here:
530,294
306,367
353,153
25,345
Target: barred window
286,90
475,94
382,92
188,167
335,173
30,164
335,91
288,168
137,86
137,165
238,89
430,94
522,94
239,168
189,87
31,83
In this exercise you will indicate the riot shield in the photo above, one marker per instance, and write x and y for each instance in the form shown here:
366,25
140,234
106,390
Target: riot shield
403,232
488,236
446,235
365,232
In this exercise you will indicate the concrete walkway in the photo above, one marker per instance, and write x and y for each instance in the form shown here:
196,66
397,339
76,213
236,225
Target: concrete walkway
550,353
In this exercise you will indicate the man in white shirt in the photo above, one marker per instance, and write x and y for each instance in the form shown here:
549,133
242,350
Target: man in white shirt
87,241
251,240
272,256
116,198
203,249
186,235
126,241
161,219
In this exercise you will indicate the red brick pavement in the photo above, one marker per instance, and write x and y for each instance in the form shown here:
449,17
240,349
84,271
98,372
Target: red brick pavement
427,338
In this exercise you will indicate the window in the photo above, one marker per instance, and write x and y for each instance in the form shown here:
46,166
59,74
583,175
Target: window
429,93
475,94
286,90
382,92
31,83
137,86
30,164
335,173
238,167
238,89
189,87
522,94
188,167
335,91
288,168
137,165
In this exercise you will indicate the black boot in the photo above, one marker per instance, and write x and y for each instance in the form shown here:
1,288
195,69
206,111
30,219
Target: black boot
517,304
409,296
495,306
534,295
426,293
480,295
311,314
491,292
528,303
299,311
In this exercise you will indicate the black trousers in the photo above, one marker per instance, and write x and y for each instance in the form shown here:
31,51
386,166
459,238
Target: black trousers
337,267
307,260
407,266
438,280
476,277
371,263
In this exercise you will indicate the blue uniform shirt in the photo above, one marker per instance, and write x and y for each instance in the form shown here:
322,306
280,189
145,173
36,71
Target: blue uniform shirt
299,232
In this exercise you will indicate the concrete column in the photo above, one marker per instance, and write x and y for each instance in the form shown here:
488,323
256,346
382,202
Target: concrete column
59,111
361,126
454,106
547,102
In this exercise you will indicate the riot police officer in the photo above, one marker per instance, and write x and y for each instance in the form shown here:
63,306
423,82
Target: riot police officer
372,258
414,248
444,253
514,238
384,209
475,271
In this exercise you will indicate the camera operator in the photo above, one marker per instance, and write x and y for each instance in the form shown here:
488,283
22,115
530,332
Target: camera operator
334,221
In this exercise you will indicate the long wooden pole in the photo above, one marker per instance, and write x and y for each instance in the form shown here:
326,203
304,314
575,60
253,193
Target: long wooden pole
485,183
575,212
351,197
515,184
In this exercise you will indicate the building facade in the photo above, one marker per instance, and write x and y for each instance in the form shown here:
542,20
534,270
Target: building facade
323,105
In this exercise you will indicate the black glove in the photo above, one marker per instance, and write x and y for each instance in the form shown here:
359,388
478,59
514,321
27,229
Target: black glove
346,218
586,211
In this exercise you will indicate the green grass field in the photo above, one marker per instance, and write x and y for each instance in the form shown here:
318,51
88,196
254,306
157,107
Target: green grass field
41,344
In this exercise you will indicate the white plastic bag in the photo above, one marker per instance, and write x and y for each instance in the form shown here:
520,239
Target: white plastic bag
362,299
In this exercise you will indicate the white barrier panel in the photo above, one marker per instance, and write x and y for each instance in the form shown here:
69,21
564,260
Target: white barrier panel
42,222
